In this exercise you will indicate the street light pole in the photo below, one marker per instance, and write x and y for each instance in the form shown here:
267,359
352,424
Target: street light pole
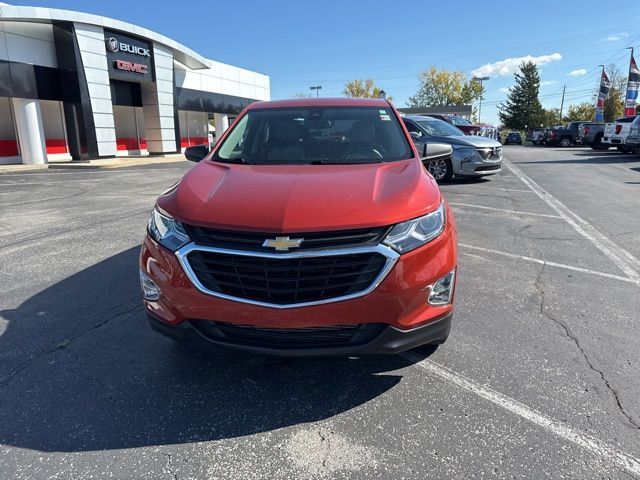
317,88
480,79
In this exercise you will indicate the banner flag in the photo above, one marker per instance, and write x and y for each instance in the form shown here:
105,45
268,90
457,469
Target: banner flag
632,88
602,95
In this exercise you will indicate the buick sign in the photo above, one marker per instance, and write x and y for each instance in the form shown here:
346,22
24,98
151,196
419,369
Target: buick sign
113,45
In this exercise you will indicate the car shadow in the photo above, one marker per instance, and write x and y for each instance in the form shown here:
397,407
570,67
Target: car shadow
83,371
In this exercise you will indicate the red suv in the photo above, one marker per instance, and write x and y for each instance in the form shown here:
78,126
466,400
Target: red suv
311,228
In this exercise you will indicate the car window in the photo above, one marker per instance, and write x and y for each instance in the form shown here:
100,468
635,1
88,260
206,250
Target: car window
412,128
433,126
277,136
455,120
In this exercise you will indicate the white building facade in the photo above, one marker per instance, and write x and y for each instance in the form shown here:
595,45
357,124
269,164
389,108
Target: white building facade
76,86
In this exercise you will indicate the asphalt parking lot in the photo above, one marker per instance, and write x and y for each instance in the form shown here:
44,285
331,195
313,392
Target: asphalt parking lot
539,379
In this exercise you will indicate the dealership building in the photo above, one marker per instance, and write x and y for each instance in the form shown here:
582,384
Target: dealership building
76,86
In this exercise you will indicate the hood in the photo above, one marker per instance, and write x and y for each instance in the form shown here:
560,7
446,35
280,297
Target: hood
465,140
301,198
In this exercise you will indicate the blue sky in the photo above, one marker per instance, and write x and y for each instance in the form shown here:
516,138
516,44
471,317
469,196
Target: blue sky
299,44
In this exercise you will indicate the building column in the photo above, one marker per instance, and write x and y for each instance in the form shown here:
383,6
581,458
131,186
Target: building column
158,105
221,122
28,118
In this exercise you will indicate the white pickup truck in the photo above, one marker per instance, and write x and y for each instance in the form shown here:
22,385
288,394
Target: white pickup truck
615,134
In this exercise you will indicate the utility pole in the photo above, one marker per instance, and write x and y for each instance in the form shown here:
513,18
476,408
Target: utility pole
564,87
317,89
480,79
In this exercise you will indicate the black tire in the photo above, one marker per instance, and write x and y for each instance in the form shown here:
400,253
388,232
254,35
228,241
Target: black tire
565,142
597,142
441,170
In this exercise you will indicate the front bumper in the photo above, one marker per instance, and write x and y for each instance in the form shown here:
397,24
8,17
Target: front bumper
614,140
390,340
474,166
398,301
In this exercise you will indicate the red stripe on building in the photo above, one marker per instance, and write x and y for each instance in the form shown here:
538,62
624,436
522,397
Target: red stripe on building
8,148
131,144
193,141
56,145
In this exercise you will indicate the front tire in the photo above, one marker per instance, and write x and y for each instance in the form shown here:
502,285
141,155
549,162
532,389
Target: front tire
565,142
441,170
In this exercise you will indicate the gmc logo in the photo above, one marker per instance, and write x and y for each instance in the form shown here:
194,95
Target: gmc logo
131,67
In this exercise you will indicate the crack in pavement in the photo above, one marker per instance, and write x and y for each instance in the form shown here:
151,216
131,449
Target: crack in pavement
570,335
62,345
169,465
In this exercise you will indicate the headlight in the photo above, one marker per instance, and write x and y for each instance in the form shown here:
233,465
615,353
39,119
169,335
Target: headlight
407,236
465,154
167,231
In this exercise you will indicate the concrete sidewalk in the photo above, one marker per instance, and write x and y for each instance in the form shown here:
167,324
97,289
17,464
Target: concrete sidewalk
120,162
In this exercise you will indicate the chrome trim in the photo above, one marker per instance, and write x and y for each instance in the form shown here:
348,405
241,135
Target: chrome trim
391,256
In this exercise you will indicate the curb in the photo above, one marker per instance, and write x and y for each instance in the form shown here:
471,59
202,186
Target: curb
94,164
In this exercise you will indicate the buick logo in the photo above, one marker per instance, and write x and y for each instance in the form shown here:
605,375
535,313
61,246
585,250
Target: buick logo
113,45
282,244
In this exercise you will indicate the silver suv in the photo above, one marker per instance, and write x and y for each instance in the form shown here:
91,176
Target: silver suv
472,156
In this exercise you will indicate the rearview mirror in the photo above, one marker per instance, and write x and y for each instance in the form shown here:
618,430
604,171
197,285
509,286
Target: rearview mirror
436,151
197,153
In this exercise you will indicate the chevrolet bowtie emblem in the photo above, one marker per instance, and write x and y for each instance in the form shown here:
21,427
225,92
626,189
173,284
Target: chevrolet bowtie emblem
282,244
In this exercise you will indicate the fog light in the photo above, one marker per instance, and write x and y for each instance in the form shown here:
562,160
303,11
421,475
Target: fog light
442,291
150,291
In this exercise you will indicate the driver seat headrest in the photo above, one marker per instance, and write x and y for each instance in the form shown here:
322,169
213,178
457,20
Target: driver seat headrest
362,131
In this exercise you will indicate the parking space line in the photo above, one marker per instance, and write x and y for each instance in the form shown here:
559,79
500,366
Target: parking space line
593,445
620,257
504,210
492,188
547,263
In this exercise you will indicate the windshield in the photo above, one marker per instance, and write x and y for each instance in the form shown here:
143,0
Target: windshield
437,127
455,120
332,135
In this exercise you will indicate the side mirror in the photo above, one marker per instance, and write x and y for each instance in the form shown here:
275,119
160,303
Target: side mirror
436,151
197,153
415,136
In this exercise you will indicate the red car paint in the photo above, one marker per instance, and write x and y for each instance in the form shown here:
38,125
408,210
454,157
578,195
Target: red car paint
290,199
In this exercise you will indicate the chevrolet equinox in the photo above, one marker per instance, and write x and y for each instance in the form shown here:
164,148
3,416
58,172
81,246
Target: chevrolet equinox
311,228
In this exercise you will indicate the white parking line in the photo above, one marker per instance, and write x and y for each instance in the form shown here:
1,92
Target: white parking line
547,263
593,445
489,188
626,262
504,210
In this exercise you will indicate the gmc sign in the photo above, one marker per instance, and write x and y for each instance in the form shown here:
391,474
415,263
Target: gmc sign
131,67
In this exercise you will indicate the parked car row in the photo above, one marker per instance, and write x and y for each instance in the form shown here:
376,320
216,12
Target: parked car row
624,134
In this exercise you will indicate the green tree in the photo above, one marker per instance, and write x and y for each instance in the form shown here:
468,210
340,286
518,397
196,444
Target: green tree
550,117
362,89
614,103
522,109
445,87
581,111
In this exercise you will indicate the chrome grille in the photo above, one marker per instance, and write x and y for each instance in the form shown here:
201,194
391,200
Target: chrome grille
290,279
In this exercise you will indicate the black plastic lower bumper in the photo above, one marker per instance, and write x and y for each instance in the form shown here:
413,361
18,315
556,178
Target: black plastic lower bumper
390,340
